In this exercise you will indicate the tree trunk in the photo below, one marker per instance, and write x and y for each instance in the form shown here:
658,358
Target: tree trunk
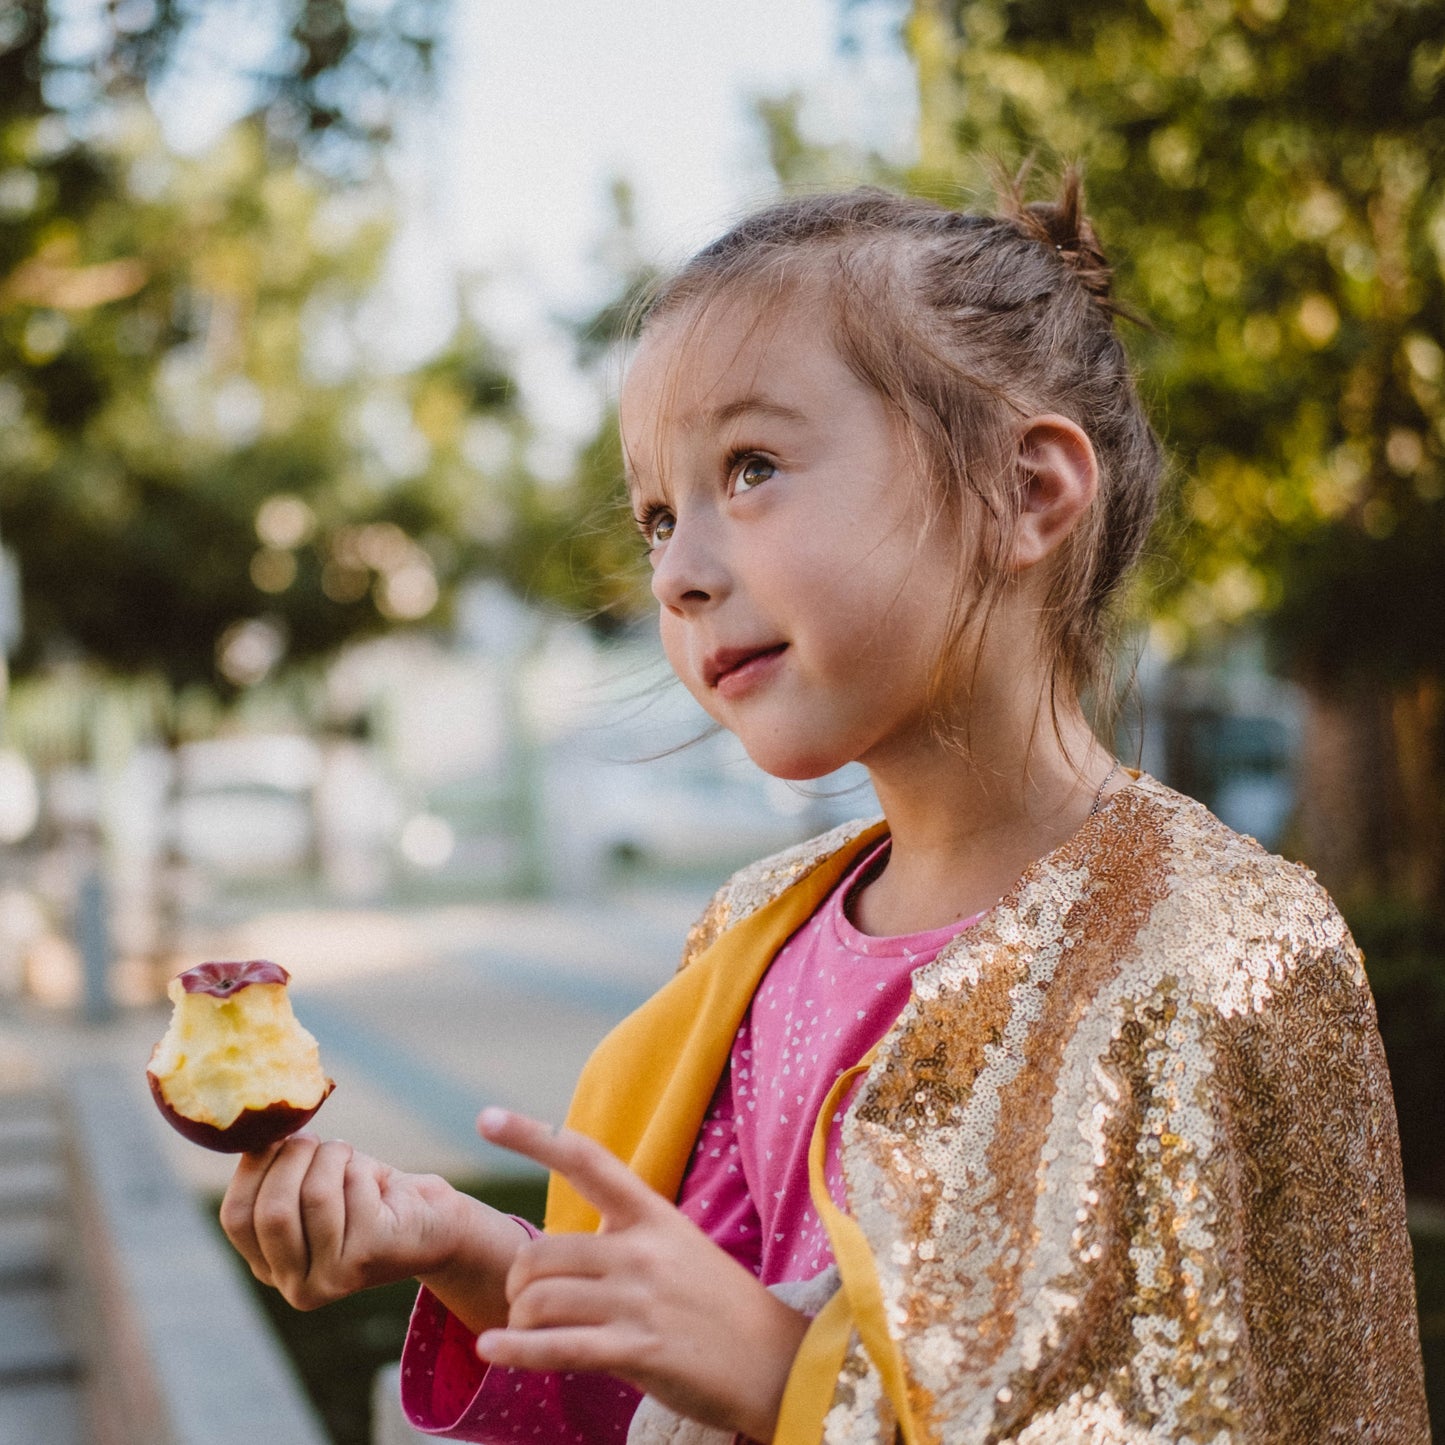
1369,822
1370,793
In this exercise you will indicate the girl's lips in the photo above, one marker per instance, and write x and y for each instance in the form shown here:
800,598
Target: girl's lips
734,670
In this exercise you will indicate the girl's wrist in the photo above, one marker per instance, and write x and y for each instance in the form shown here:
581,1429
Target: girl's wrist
787,1327
470,1278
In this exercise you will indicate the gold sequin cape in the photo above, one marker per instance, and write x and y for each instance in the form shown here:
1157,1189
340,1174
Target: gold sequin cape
1125,1168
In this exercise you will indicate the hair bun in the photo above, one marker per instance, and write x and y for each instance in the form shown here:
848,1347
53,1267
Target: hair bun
1063,226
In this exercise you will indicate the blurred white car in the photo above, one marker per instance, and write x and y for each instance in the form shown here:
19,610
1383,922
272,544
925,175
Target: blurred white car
245,805
243,830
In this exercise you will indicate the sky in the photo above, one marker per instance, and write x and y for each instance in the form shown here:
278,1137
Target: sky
544,104
505,175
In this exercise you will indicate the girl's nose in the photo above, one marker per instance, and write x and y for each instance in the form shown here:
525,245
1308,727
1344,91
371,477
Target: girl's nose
689,573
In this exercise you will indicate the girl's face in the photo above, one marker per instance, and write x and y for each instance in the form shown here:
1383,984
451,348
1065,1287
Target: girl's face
803,596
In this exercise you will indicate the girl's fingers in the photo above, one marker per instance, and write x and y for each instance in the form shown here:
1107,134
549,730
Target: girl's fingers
238,1209
577,1256
560,1301
323,1204
591,1348
279,1233
362,1195
602,1179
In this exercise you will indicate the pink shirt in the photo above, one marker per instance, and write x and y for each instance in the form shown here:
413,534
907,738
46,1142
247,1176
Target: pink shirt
829,996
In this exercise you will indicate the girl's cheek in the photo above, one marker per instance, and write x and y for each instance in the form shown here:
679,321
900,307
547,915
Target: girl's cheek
674,648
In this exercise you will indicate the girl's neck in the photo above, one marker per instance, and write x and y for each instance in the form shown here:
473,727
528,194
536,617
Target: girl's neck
964,829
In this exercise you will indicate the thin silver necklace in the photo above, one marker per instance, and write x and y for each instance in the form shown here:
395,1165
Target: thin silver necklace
1099,796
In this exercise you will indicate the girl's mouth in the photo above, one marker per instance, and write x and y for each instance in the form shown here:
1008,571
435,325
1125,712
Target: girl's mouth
732,671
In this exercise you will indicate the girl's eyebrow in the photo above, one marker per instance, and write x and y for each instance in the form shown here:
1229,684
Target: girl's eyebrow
739,407
714,419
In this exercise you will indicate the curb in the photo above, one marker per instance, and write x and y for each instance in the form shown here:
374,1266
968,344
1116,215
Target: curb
176,1350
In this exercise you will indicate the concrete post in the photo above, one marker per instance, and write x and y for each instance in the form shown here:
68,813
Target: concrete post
92,937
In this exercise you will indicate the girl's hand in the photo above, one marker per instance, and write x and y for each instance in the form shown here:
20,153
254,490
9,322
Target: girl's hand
649,1299
320,1221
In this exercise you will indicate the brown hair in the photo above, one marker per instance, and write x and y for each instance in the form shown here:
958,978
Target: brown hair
965,323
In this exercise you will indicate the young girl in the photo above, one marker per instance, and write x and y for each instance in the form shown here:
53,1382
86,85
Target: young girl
1045,1109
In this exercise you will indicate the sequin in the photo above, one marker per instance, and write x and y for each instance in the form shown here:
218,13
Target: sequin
1128,1160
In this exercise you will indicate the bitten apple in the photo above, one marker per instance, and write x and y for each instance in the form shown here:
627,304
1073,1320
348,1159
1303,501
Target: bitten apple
235,1071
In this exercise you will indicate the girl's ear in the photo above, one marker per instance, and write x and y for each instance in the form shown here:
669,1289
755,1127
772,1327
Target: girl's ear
1058,478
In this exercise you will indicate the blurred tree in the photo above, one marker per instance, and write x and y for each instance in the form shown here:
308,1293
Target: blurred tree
207,470
327,77
200,469
582,543
1269,173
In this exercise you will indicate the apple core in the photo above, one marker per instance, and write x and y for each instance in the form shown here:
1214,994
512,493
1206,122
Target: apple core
235,1071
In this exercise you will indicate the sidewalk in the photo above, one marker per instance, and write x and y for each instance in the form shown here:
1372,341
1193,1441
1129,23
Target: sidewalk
423,1016
40,1389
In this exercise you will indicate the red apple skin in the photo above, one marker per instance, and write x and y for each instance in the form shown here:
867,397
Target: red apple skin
224,979
251,1130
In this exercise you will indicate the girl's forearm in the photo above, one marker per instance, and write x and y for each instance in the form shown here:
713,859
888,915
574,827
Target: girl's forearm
772,1364
472,1280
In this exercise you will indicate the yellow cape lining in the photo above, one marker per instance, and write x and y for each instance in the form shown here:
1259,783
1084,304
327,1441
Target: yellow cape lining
645,1092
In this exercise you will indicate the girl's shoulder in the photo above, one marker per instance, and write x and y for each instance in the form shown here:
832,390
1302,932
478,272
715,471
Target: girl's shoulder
1172,833
1221,883
1160,896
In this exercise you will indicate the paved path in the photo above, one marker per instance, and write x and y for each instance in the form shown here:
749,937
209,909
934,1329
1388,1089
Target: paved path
423,1016
40,1402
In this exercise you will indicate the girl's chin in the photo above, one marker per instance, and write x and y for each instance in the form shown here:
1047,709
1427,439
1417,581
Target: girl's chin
786,746
792,765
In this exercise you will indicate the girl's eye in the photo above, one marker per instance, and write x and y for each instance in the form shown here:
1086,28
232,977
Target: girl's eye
750,471
656,525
